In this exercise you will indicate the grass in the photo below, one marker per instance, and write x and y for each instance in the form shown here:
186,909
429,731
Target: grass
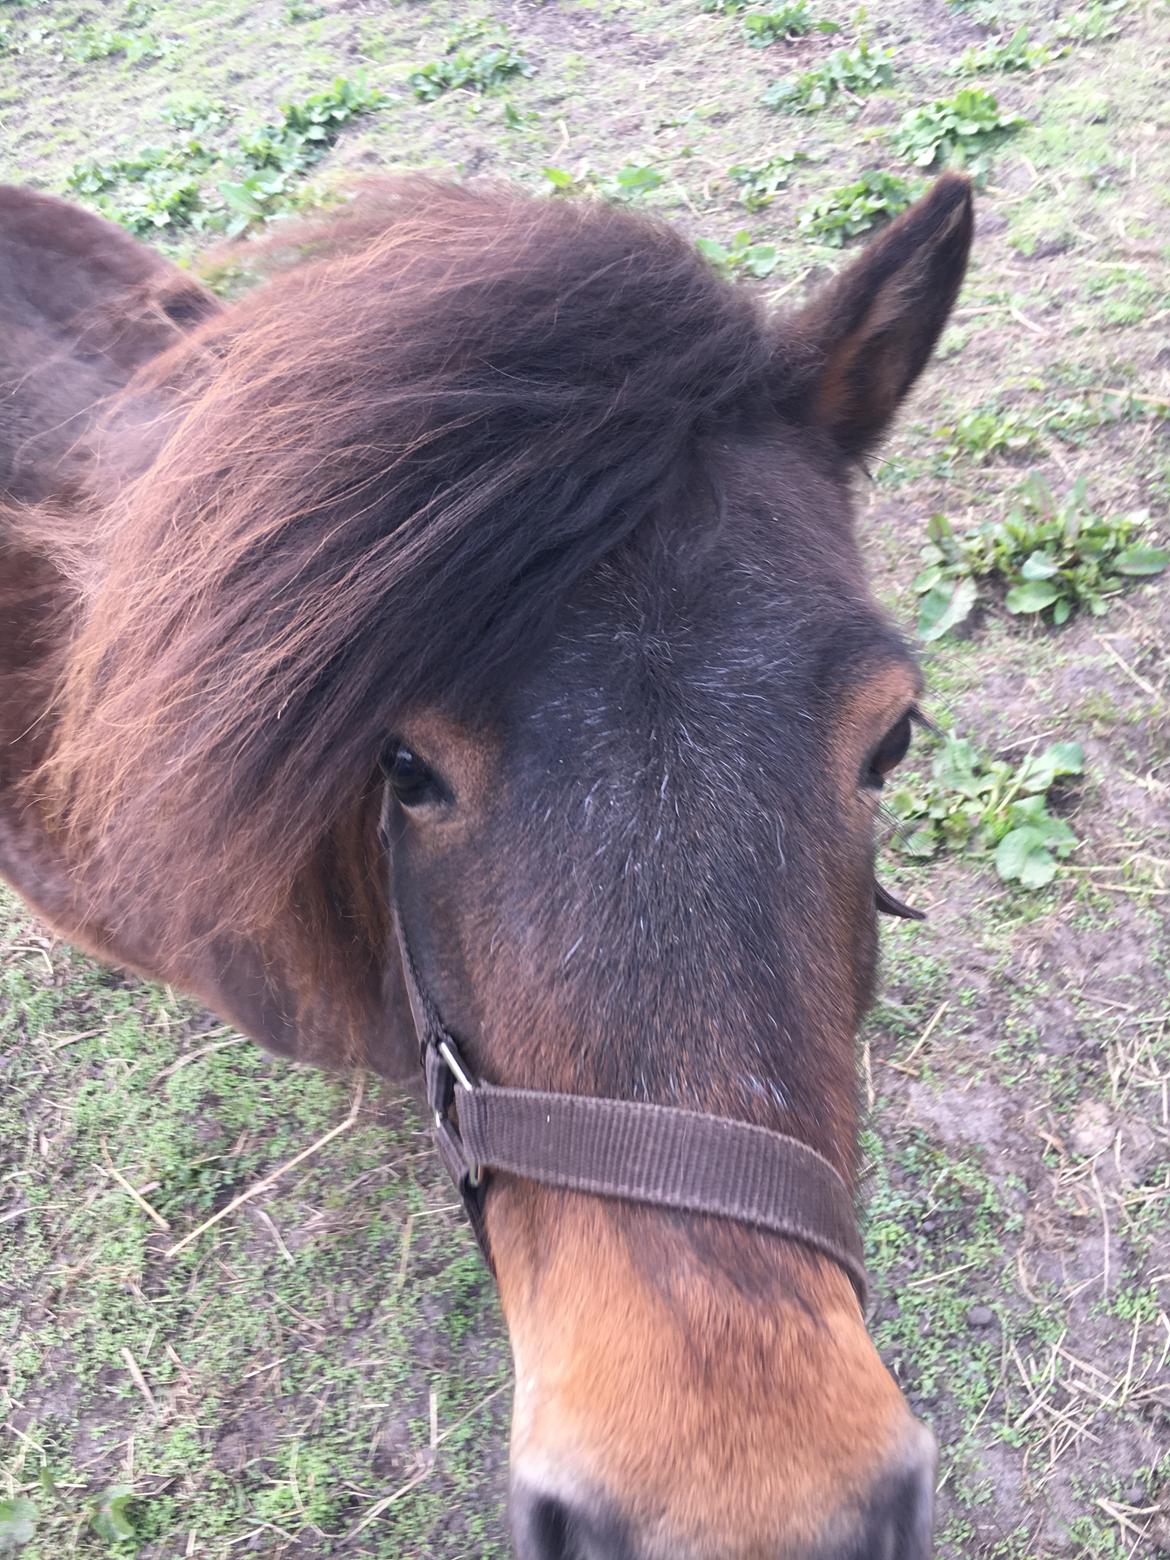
325,1371
182,1351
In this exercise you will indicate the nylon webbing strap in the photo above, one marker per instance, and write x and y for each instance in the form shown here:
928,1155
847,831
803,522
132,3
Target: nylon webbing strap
653,1154
667,1157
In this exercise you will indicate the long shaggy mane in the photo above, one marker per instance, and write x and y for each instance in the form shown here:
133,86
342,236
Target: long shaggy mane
378,474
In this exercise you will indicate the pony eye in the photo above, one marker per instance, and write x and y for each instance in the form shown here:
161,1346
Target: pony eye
408,777
888,754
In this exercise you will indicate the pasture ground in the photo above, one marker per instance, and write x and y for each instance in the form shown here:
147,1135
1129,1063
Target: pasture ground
324,1372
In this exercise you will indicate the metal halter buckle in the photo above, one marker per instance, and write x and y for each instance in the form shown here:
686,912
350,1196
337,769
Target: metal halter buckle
455,1062
445,1071
658,1155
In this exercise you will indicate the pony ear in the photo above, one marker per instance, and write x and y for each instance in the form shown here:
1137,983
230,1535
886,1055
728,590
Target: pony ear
853,352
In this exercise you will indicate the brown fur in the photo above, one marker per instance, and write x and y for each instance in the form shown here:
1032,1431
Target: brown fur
88,306
524,485
377,477
749,1424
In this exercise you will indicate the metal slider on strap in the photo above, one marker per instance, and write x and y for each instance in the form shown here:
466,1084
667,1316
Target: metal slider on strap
658,1155
446,1072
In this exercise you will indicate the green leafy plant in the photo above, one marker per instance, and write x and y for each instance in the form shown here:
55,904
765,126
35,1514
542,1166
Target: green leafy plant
196,112
628,184
1004,54
960,131
854,208
98,43
982,805
850,72
473,61
157,187
945,582
760,183
742,254
1092,23
255,197
112,1519
1072,420
18,1524
274,155
161,188
561,180
1053,557
632,182
307,130
792,20
518,118
986,434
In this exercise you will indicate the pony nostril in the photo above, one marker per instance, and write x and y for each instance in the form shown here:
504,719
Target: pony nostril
893,1520
546,1527
897,1521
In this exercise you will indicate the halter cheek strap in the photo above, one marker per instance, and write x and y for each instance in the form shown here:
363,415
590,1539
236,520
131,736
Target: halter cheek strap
652,1154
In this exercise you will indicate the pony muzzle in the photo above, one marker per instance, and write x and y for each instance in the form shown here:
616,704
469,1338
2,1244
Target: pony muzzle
893,1522
672,1404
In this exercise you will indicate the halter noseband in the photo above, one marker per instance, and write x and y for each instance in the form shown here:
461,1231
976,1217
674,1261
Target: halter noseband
654,1154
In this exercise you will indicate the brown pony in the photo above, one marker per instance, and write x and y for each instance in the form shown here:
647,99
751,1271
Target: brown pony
514,510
